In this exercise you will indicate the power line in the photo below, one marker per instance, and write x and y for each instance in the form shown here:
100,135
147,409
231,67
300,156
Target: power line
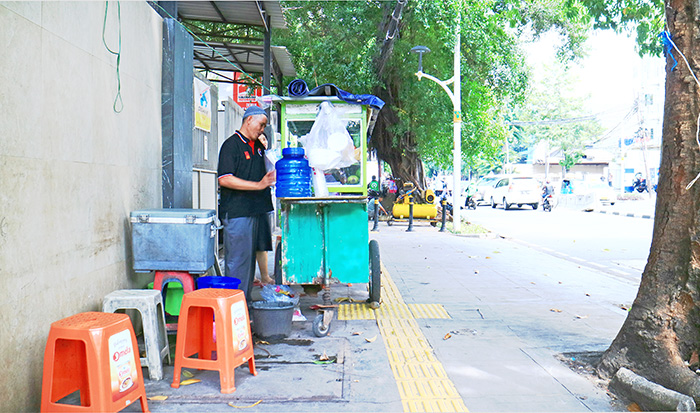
551,122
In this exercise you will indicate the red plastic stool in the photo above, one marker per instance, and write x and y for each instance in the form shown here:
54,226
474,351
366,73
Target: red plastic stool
164,277
97,354
233,344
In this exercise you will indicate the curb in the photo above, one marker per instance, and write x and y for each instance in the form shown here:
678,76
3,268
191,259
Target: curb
624,214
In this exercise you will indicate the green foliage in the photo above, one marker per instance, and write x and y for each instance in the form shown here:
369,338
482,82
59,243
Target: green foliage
570,159
569,18
645,16
338,42
333,41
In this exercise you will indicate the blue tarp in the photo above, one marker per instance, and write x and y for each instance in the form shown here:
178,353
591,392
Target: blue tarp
298,88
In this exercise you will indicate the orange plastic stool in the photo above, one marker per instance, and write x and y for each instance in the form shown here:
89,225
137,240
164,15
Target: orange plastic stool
233,344
97,354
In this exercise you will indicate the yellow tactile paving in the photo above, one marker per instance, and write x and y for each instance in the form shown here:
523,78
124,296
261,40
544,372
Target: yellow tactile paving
393,310
355,312
428,311
397,326
418,370
451,405
420,377
440,389
406,343
399,356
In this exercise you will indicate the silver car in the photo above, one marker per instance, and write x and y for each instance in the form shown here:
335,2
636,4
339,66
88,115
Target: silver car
484,186
516,190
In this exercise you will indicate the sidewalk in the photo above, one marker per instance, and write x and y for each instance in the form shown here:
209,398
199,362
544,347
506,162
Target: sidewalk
511,311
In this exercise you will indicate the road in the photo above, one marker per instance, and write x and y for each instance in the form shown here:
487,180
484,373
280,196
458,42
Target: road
616,245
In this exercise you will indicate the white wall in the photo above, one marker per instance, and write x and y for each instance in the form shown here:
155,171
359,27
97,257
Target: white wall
71,169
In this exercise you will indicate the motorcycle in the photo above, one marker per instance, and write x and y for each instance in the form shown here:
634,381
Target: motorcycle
547,203
470,203
640,185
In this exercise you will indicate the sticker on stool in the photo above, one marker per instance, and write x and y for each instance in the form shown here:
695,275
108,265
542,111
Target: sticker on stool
240,326
122,365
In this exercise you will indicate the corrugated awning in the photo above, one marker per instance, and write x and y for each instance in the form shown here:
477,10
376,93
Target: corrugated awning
245,53
251,13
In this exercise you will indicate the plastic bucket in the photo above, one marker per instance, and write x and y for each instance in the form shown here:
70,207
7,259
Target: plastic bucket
172,297
214,281
272,320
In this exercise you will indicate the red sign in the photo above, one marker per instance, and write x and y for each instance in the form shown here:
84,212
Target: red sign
244,93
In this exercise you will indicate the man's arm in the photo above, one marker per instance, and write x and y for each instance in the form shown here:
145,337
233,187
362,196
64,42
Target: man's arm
232,182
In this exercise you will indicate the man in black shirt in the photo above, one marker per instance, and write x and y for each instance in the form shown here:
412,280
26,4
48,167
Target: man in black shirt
245,197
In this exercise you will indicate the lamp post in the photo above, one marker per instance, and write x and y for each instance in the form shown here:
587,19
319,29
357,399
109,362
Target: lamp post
456,98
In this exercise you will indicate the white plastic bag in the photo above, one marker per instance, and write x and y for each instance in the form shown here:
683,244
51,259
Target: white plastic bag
271,158
319,180
328,145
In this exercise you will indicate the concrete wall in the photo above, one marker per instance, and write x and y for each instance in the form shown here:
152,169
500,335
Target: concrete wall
71,169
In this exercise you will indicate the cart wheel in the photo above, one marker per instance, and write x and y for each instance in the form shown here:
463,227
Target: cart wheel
390,222
375,272
278,264
320,330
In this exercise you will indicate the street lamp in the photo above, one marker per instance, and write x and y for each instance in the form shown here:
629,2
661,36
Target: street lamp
457,121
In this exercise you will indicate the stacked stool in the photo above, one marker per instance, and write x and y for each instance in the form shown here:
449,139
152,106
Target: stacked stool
164,277
149,303
96,354
233,345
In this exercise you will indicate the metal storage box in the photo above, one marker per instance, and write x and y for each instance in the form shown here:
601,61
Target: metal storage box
173,239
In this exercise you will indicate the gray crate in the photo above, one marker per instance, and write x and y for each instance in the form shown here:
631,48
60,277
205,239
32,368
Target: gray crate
173,239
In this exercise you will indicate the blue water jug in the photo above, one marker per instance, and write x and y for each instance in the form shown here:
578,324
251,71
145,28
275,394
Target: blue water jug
293,174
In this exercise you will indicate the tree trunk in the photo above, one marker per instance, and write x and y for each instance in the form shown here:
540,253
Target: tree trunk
662,328
400,152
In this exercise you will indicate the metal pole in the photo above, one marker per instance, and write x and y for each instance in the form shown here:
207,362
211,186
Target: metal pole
457,158
410,214
443,202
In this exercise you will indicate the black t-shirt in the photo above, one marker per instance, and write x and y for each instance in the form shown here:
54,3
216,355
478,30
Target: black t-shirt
240,159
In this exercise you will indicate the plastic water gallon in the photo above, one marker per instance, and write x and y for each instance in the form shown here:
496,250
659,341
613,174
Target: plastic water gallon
293,174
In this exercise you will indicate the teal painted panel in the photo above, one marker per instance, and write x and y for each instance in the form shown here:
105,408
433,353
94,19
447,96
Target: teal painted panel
347,235
302,243
337,230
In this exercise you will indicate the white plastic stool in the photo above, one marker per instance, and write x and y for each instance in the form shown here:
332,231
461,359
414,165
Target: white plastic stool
150,304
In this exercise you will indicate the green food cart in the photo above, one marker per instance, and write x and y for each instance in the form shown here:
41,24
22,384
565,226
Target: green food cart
325,240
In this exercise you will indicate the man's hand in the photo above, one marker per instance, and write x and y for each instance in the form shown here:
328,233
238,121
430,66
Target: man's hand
267,180
232,182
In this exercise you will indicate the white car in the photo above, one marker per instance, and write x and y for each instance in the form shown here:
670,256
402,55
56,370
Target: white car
516,190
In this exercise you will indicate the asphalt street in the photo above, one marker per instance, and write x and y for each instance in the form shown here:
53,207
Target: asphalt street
615,244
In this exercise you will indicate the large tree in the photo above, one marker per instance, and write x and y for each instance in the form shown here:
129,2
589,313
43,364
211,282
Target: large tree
364,47
662,329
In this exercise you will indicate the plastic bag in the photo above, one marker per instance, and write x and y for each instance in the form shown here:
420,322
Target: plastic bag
319,181
271,158
279,294
328,144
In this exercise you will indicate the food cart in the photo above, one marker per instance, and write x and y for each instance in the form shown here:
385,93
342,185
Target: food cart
325,240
